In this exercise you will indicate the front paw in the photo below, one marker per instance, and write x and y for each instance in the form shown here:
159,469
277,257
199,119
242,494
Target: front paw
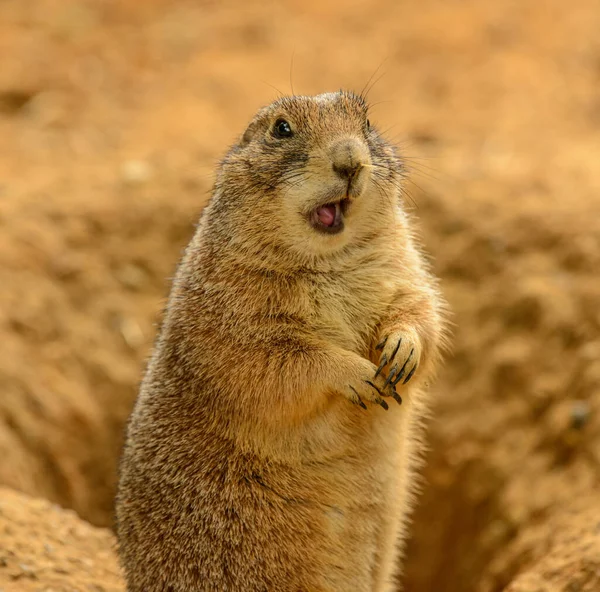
363,384
400,355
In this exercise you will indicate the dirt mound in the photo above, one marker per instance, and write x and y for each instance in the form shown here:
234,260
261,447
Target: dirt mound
45,548
112,115
76,323
516,430
86,249
563,553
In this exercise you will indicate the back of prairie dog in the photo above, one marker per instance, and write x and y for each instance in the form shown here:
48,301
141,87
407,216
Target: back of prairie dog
267,450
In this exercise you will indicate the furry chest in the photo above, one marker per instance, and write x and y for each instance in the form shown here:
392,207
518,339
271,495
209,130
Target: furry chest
348,306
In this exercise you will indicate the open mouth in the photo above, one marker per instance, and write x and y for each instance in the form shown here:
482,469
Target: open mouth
329,217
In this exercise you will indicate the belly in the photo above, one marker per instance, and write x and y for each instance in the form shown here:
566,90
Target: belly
360,502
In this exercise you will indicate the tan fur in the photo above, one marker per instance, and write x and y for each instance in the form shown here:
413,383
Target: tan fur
250,464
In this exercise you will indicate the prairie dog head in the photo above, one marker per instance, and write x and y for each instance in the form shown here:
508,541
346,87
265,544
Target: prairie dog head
309,175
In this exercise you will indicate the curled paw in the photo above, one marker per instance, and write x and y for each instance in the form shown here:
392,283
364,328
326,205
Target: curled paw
399,358
371,389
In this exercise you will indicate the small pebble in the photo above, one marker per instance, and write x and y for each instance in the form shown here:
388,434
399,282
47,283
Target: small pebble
580,414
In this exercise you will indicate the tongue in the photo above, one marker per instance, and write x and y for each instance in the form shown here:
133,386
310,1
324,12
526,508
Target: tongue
327,214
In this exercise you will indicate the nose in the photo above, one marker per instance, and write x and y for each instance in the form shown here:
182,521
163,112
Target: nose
348,156
346,170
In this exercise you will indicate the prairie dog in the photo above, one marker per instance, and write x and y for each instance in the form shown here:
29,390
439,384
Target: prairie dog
267,450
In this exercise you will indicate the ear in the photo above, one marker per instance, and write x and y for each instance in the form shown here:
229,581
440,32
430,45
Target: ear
254,127
250,132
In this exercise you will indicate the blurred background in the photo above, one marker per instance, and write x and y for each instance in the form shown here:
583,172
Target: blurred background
113,114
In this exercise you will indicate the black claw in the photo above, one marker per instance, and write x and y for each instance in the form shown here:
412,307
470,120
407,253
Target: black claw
397,348
390,376
397,398
400,375
381,344
403,369
374,386
410,374
378,400
358,401
384,361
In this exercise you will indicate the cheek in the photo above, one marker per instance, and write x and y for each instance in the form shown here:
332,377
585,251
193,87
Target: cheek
292,206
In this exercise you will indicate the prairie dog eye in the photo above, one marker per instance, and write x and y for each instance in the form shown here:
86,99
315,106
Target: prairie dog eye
282,129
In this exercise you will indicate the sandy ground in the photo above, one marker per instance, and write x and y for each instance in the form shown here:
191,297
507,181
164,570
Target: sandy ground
112,115
52,550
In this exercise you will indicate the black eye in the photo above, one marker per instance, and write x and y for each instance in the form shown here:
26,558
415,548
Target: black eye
282,129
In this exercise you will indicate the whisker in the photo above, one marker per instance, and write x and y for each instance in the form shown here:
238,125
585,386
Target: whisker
406,193
374,83
384,132
379,103
292,71
427,173
274,88
367,89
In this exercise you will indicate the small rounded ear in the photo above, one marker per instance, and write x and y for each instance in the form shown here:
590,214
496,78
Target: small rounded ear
249,133
254,126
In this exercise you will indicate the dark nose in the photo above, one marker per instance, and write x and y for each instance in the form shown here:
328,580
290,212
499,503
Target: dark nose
348,155
346,170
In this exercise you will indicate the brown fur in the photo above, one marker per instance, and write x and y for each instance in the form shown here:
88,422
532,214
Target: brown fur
250,464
